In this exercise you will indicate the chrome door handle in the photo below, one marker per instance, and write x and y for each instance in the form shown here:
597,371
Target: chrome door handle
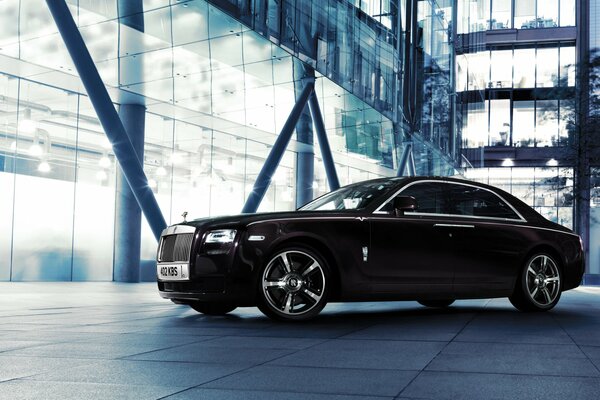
452,226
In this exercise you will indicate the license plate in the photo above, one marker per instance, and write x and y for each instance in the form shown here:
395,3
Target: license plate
173,272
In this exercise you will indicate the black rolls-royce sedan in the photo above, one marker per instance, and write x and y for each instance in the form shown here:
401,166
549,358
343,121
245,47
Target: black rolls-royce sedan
428,239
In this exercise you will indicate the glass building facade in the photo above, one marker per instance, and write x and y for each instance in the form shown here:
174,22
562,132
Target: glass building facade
525,100
218,80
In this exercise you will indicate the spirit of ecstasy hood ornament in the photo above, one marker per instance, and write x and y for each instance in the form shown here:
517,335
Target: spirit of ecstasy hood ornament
185,213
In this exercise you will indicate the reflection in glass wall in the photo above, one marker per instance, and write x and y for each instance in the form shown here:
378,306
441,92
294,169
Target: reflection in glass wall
218,90
550,192
474,15
494,69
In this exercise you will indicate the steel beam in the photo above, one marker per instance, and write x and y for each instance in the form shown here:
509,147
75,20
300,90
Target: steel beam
319,125
404,163
112,125
272,162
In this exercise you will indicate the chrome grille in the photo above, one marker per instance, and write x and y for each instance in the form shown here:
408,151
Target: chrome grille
175,247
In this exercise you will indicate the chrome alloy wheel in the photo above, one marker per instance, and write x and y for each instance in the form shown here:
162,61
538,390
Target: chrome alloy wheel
293,282
543,280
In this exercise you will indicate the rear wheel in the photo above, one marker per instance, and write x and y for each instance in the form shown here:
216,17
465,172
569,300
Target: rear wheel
294,284
213,308
436,303
539,285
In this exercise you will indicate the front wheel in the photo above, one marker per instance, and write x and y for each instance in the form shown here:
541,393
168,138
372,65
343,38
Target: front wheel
294,284
213,308
436,303
539,285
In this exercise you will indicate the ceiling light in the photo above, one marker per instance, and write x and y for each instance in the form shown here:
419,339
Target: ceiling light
161,171
26,124
552,162
508,162
101,175
44,167
36,150
152,183
106,143
104,162
315,185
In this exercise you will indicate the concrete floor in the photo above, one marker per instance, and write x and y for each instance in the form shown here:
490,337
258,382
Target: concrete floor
107,340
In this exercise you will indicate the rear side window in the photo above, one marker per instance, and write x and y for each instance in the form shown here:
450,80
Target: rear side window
473,201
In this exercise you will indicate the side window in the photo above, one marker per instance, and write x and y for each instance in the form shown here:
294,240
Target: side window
429,196
472,201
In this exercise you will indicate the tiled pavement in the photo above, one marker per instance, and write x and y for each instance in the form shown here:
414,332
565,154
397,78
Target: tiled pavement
109,341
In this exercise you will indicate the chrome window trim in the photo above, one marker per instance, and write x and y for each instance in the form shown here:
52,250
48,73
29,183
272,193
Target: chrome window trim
521,219
391,218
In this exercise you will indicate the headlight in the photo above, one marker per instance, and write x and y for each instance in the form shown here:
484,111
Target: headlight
221,236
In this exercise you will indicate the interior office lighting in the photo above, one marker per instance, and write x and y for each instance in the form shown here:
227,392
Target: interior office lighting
508,162
552,162
26,124
44,167
106,143
161,171
104,161
36,150
101,175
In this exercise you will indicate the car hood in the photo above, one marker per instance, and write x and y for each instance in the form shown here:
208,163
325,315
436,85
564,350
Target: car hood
245,219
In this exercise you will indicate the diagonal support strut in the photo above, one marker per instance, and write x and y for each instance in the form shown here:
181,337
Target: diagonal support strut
111,123
317,118
272,162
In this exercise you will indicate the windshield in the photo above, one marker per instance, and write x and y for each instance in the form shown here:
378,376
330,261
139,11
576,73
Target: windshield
352,197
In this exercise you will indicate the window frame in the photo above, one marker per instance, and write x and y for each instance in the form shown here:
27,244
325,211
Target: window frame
418,214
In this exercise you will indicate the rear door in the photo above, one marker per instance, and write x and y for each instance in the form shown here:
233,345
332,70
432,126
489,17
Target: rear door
490,249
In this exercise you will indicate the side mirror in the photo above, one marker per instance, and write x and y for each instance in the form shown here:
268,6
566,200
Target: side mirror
403,204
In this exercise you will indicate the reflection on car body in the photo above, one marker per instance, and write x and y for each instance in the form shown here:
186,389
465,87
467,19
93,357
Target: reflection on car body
428,239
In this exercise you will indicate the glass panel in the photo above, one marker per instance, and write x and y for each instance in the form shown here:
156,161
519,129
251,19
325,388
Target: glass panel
522,186
9,89
567,66
567,120
461,73
501,14
499,122
480,15
567,13
523,123
501,66
547,67
479,70
462,14
525,14
547,14
475,134
94,212
546,130
44,185
524,68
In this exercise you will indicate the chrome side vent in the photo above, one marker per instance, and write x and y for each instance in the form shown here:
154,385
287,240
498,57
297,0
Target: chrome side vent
176,248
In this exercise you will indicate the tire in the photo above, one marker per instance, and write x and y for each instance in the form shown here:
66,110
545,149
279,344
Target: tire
294,284
436,303
539,285
213,308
